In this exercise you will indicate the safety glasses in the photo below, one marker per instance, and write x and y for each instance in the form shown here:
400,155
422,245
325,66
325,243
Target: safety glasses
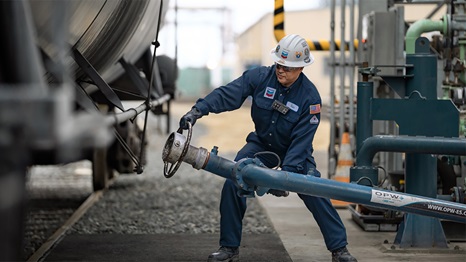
285,68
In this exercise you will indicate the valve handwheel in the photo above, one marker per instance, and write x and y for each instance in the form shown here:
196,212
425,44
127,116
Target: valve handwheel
169,172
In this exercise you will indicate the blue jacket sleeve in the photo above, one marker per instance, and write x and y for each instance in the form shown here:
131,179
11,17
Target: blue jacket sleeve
232,95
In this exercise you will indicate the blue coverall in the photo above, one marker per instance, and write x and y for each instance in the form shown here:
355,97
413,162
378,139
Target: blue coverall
288,135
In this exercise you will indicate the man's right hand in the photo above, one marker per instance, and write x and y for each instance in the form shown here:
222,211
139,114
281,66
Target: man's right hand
190,117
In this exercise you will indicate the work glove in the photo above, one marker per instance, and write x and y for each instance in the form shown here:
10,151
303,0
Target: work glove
190,117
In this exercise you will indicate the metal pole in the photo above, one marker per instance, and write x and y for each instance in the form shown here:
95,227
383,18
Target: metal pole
351,72
342,70
332,161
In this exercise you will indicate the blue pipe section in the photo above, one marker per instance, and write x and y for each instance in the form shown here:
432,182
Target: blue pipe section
364,97
409,144
249,175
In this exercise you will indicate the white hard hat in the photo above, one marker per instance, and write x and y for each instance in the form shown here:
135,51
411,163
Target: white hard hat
292,51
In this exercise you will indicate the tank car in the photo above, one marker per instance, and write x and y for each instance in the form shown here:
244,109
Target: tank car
65,68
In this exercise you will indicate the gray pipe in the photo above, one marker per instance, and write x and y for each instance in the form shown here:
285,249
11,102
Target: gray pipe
133,112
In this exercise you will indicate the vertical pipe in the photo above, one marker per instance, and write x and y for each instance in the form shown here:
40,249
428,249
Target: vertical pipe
424,70
331,158
351,68
342,70
421,179
364,124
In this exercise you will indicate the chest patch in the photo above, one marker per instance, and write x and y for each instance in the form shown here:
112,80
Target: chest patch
314,120
292,106
270,92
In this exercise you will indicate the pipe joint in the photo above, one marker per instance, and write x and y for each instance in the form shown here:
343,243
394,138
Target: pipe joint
245,189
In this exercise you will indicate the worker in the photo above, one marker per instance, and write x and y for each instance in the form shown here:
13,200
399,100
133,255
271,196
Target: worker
285,109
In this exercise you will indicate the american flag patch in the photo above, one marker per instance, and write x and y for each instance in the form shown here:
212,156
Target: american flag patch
314,109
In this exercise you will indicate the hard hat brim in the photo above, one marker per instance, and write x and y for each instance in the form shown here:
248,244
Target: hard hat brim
284,62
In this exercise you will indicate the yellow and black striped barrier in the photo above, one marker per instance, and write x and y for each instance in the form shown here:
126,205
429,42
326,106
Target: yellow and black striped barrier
319,45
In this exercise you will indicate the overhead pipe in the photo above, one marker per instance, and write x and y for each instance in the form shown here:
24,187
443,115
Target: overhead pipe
319,45
252,177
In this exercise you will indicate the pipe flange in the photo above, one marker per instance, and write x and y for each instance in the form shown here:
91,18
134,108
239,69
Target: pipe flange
245,189
238,177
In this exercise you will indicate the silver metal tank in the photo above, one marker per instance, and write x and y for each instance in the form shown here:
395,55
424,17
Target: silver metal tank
102,30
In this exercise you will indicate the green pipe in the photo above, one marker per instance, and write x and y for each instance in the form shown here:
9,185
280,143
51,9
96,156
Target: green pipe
462,45
422,26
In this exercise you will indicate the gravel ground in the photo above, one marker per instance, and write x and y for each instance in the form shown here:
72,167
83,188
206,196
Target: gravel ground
150,203
139,204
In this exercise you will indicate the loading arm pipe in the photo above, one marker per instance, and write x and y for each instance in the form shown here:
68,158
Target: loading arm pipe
319,45
251,177
408,144
423,26
351,192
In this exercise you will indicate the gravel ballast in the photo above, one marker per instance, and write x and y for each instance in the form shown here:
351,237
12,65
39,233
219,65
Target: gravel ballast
149,203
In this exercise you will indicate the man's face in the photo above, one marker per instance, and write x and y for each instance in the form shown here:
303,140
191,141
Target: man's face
287,75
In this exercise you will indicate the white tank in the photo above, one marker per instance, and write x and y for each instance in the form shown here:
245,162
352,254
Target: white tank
103,31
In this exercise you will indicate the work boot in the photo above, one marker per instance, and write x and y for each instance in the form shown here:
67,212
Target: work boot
278,193
342,255
229,254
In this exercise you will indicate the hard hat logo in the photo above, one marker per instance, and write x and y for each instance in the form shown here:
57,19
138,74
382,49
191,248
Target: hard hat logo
284,54
292,51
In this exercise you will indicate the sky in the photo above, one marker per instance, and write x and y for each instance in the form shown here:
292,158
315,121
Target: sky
200,30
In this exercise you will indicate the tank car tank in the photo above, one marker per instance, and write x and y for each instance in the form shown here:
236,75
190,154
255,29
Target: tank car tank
60,64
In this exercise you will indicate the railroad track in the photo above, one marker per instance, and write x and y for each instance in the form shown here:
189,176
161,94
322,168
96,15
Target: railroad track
57,197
